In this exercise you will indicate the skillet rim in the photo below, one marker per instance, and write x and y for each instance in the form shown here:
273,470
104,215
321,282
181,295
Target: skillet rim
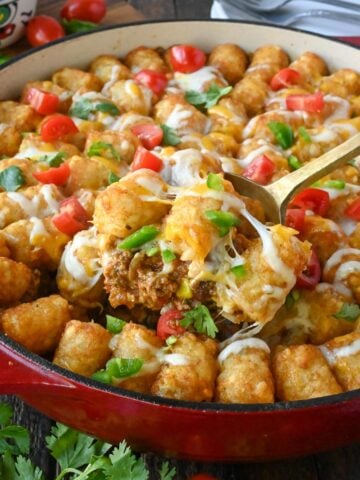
204,407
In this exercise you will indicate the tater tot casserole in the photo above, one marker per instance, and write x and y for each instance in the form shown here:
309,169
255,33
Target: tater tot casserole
128,257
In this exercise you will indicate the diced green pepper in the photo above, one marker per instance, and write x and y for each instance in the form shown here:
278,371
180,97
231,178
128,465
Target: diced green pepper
283,134
139,238
222,220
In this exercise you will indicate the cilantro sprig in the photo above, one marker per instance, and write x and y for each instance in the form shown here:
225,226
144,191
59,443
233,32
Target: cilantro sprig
11,179
200,318
169,138
79,456
53,159
207,99
84,108
99,149
349,312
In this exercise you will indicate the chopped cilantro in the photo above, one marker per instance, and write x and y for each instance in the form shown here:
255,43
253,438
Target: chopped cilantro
201,320
349,312
97,149
11,179
170,137
209,98
53,159
107,107
303,133
82,109
113,178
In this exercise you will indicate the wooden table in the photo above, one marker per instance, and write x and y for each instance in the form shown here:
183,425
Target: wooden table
341,464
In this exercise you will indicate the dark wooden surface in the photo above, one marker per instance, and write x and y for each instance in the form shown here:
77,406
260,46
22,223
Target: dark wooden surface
340,464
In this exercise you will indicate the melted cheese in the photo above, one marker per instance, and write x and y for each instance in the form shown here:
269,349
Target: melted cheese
182,168
235,348
199,80
115,70
332,355
41,205
38,232
178,119
337,257
341,110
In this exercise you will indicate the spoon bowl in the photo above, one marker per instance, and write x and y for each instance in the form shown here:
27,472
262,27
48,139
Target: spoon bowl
276,196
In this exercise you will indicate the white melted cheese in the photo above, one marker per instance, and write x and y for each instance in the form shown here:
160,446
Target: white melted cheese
263,149
337,258
326,135
235,348
47,196
178,119
341,110
38,230
182,168
115,70
346,269
199,80
332,355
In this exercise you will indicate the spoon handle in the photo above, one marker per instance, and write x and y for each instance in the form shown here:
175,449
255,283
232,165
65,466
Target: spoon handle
284,188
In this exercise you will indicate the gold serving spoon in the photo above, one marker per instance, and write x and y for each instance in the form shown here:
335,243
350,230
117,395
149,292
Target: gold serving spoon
276,196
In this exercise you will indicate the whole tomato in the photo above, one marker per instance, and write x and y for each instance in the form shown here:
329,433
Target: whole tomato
43,29
87,10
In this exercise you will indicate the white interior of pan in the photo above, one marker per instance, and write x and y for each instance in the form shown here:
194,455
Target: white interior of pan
80,51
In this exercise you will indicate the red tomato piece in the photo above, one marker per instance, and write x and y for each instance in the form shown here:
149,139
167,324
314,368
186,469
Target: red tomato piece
186,58
202,476
155,81
310,277
168,324
150,135
56,127
285,78
42,102
72,217
87,10
294,218
312,199
145,159
312,103
260,170
57,176
353,210
43,29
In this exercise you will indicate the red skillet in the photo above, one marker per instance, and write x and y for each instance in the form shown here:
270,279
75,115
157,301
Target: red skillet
196,431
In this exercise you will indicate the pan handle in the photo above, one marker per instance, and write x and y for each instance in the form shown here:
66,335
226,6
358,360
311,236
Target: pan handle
19,374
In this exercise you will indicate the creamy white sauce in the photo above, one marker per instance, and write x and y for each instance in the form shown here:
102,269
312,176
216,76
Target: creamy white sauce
332,355
337,257
128,120
326,135
258,66
178,119
246,161
112,80
32,206
197,81
238,346
37,231
341,110
34,153
182,168
348,225
346,269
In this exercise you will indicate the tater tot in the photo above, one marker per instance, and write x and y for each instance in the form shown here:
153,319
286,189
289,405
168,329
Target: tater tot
131,96
124,143
10,140
245,375
119,210
343,356
266,61
22,117
301,373
109,68
230,59
137,341
87,173
252,93
15,281
72,79
83,347
189,371
26,166
310,66
142,58
37,325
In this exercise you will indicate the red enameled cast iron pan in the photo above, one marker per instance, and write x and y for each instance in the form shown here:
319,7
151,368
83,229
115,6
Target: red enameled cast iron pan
205,431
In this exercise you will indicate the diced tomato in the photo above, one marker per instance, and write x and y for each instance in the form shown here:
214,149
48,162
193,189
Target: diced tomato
57,176
310,277
145,159
295,218
43,29
260,170
202,476
285,78
57,127
72,217
186,58
87,10
312,103
353,210
312,199
150,135
45,103
156,81
168,324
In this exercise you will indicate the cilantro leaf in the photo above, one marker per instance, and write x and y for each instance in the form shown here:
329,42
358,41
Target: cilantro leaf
19,439
165,472
201,319
26,470
53,159
77,26
113,178
82,109
209,98
349,312
98,148
6,413
170,137
125,465
73,449
7,467
107,107
11,179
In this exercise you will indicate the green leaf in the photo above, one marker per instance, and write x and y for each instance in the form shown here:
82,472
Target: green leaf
294,162
107,107
215,182
19,437
82,109
165,472
4,58
27,470
113,178
349,312
6,413
304,134
201,320
11,179
53,159
7,467
97,149
170,137
292,298
239,271
114,324
168,256
209,98
125,466
77,26
283,134
123,367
